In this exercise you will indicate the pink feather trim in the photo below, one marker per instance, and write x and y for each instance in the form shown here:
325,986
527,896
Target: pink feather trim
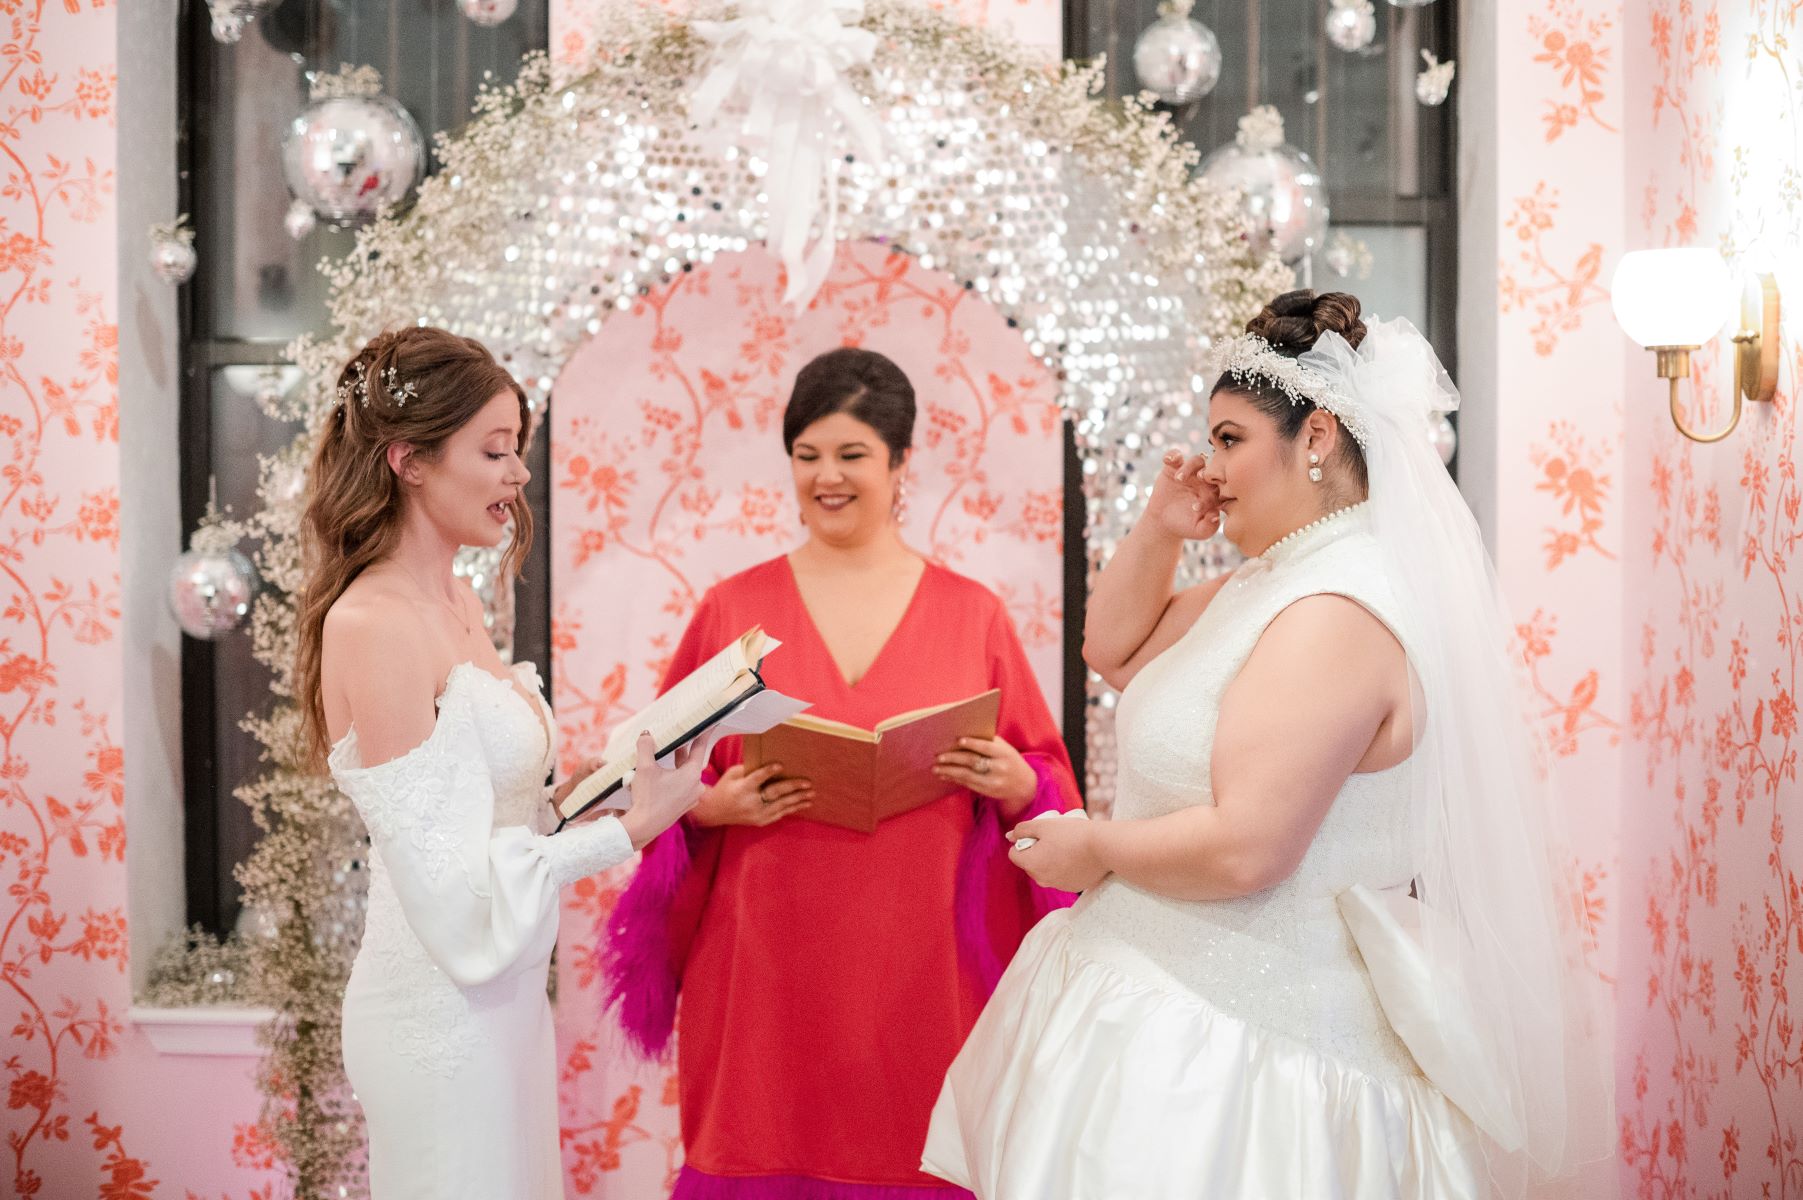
983,846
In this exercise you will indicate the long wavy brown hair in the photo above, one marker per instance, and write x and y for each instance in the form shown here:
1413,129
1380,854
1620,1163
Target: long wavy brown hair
417,386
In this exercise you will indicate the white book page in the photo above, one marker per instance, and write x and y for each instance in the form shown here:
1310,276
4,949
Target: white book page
677,710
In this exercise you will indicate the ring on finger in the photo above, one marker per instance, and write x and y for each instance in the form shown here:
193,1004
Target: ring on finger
764,797
981,766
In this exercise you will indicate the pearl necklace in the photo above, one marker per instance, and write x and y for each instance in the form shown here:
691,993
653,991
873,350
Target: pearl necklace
1276,550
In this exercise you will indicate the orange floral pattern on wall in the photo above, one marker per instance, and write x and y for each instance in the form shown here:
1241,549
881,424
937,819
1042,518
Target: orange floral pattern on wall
669,473
1573,474
1576,43
1559,506
1539,279
1712,1095
62,783
86,1108
1686,52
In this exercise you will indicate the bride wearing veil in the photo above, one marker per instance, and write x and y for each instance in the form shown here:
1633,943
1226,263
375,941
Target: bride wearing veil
1325,947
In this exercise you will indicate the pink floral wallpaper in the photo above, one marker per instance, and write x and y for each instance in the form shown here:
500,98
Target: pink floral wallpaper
87,1109
1656,579
1561,505
1712,919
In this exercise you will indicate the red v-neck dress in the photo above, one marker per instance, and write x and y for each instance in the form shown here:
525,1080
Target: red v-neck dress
828,977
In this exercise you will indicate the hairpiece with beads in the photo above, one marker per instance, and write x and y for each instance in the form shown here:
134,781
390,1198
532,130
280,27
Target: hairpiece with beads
1250,359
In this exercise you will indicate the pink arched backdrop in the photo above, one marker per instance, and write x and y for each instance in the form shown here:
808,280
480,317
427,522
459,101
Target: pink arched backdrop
669,473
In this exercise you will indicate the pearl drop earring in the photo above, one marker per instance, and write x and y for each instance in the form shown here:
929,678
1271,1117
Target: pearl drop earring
1314,468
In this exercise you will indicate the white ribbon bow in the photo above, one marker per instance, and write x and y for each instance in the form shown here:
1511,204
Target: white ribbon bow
779,68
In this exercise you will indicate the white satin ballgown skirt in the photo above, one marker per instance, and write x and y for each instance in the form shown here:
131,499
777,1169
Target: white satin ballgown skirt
1095,1075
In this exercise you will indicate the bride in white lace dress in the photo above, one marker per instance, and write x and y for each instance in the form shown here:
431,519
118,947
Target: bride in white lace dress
445,752
1320,951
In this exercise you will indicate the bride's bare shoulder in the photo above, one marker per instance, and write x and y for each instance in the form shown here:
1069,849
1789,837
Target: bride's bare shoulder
379,665
370,610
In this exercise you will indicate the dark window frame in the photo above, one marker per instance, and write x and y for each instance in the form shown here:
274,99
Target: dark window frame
210,813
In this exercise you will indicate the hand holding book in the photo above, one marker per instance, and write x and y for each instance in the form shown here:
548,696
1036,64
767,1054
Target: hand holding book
754,796
865,776
990,767
660,791
660,794
725,695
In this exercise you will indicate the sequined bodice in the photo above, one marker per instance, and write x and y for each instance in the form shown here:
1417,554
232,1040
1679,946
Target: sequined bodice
1281,958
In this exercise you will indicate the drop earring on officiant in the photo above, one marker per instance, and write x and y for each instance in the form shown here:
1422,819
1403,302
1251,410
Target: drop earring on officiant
834,924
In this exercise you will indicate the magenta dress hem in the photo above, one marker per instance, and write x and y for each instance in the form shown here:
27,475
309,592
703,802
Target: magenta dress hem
692,1184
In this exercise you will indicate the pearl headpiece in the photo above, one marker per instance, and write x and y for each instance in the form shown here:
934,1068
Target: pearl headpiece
1250,359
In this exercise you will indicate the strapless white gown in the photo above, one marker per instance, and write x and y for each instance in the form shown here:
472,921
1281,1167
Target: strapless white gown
448,1041
1145,1048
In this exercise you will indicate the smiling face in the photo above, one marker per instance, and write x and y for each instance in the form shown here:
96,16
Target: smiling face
844,479
471,487
1262,476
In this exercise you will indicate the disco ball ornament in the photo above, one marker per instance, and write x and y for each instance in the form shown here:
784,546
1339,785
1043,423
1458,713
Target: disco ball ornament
1177,59
1281,191
488,12
1351,26
352,150
1444,438
300,219
172,254
210,586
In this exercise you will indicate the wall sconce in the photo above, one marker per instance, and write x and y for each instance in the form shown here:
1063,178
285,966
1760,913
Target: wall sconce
1675,301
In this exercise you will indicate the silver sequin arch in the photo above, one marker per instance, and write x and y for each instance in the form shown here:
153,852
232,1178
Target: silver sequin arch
569,196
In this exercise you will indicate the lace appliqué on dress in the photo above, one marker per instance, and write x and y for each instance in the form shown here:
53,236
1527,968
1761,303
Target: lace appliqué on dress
414,796
434,1028
415,803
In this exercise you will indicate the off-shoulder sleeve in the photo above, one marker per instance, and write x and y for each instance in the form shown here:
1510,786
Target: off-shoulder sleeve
482,901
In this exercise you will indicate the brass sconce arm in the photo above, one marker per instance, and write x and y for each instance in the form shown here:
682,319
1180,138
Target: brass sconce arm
1674,364
1756,347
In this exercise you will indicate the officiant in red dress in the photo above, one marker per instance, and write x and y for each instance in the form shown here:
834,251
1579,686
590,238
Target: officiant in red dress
829,976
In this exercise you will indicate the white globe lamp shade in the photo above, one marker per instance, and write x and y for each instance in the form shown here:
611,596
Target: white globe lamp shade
1677,297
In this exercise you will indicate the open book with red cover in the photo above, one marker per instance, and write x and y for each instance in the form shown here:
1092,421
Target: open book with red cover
863,776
